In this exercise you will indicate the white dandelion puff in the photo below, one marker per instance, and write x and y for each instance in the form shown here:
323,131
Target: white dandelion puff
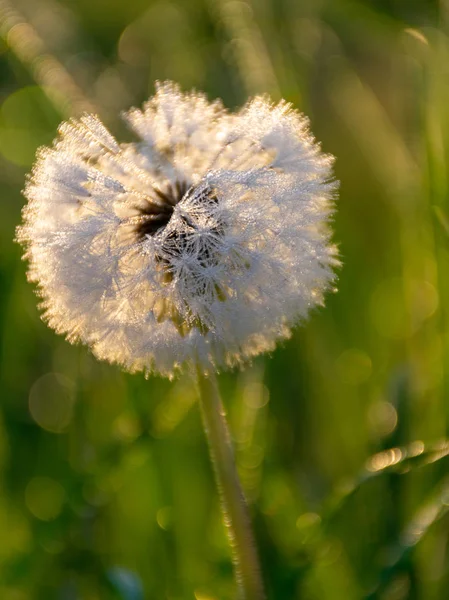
204,242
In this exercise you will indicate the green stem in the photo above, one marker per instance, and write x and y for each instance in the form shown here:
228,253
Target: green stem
233,503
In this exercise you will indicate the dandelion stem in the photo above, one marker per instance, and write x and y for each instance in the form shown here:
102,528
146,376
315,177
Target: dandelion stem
233,503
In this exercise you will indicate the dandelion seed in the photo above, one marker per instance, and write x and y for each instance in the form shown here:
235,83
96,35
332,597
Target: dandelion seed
202,243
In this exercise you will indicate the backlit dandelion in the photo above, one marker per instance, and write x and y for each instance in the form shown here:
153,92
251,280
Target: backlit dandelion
204,242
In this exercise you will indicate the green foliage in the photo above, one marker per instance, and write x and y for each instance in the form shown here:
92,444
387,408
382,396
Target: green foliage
106,488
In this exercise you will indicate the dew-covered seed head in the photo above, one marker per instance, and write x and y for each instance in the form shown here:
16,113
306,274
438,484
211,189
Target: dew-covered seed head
203,242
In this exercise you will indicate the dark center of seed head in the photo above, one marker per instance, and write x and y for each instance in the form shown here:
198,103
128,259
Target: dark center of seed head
155,214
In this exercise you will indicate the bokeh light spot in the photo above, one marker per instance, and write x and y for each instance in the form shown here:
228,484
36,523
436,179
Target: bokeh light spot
353,366
425,300
44,498
51,402
383,418
416,448
385,459
256,395
307,520
330,552
252,457
126,427
172,410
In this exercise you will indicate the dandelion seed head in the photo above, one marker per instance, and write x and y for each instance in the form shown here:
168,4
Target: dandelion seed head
204,242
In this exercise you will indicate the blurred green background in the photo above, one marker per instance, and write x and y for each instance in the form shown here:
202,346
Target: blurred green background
106,491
